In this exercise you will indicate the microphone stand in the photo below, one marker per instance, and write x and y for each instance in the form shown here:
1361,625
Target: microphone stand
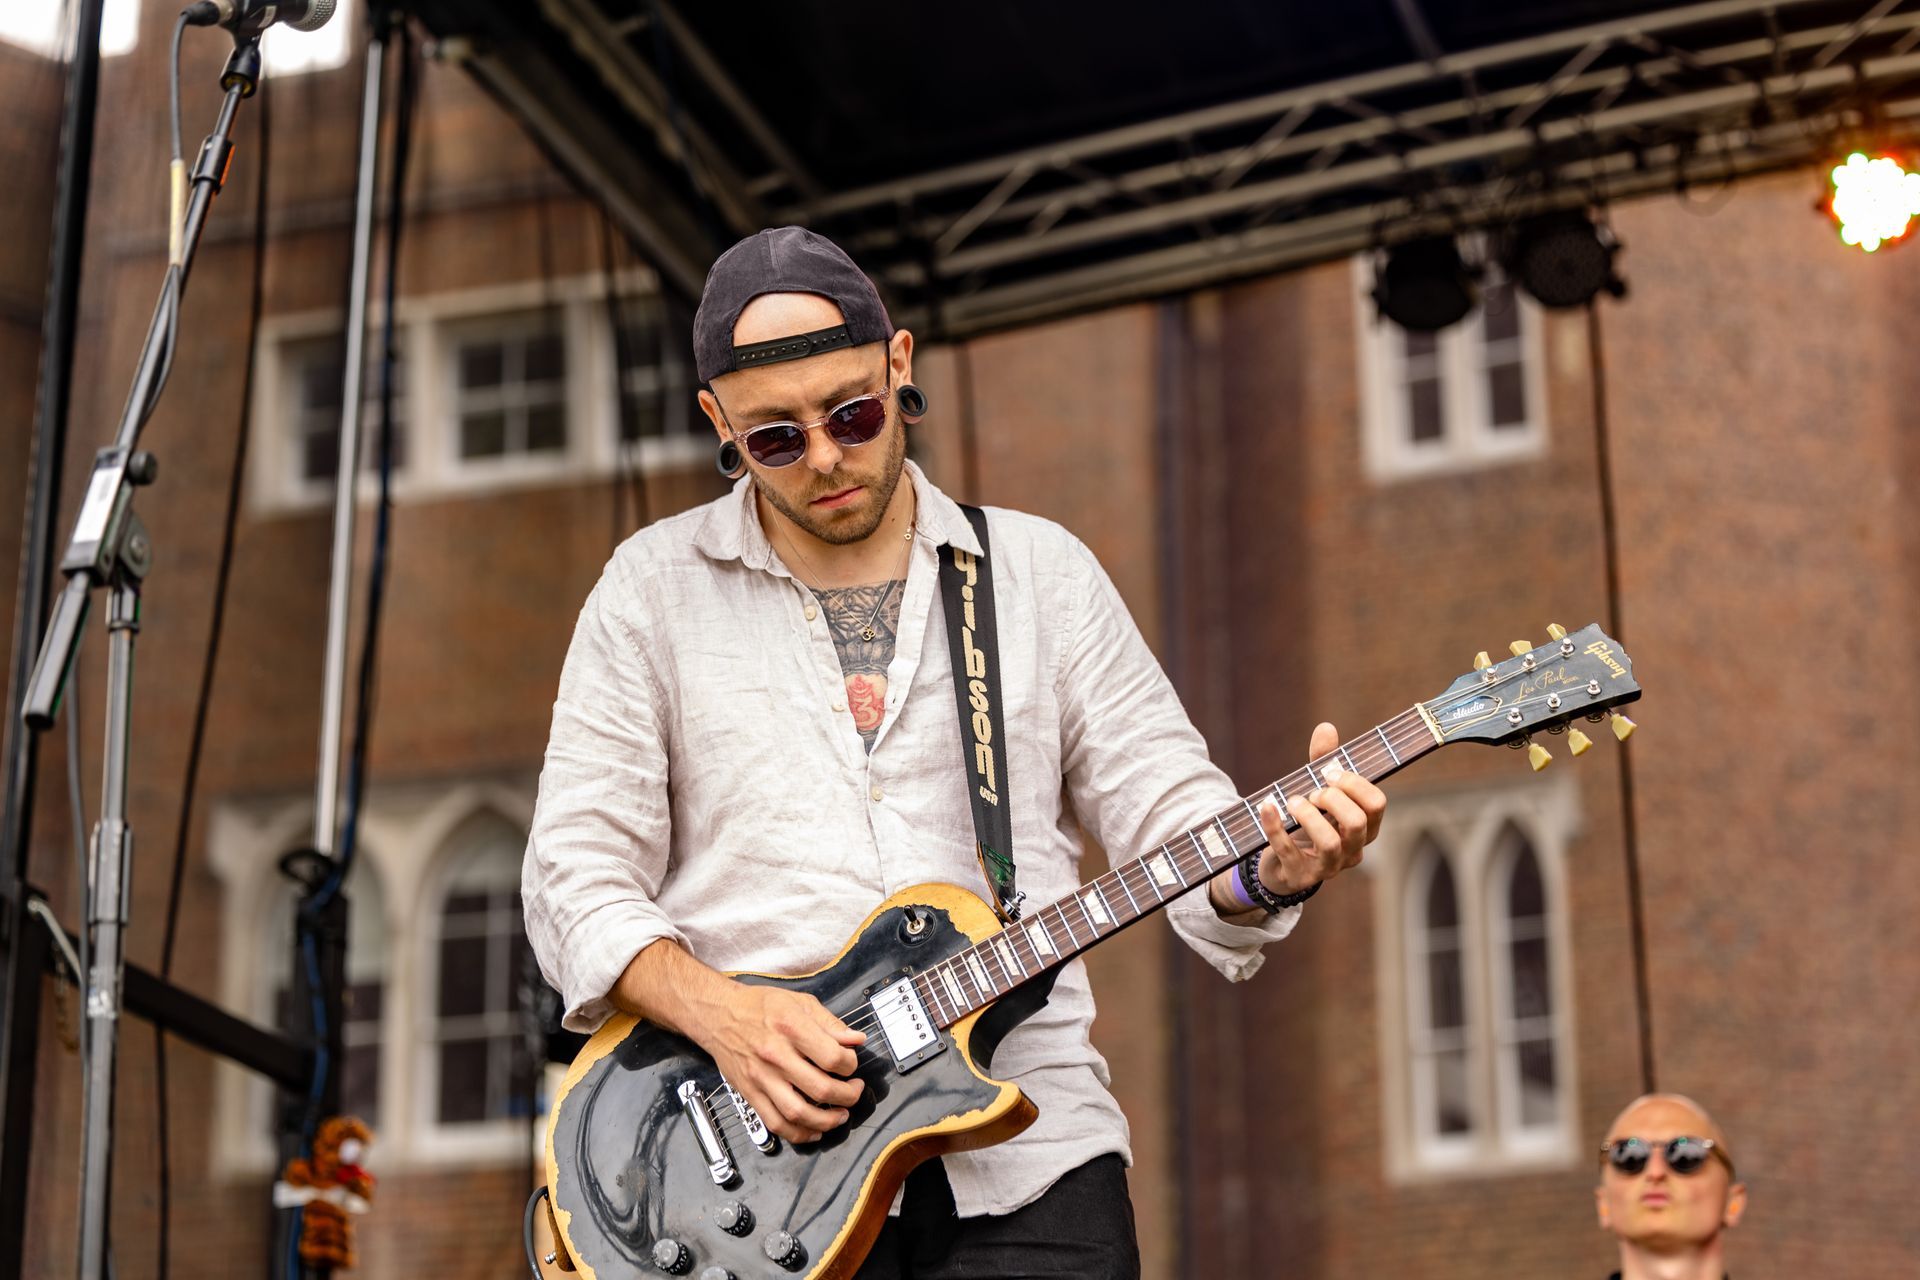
110,549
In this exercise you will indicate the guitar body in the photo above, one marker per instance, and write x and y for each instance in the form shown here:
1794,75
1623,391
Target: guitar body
626,1167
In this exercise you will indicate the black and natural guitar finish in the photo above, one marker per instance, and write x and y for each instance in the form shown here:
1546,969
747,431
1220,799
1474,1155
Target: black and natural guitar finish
655,1165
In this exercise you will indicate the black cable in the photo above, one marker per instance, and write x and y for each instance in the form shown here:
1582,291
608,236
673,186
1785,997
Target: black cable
173,83
1630,831
197,742
526,1228
77,817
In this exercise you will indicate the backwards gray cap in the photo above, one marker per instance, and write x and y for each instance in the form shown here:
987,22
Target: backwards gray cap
783,260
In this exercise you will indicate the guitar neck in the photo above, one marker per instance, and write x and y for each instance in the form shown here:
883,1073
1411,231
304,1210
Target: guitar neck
1059,931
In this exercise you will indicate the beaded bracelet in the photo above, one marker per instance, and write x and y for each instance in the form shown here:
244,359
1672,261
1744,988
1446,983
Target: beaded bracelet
1247,881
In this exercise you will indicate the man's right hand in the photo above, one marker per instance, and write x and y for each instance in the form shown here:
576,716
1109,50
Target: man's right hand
781,1049
788,1056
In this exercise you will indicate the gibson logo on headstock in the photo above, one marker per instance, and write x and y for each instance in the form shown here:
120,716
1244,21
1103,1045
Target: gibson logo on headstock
1604,651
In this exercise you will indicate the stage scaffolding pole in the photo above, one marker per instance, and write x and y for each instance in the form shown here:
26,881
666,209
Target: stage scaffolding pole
24,941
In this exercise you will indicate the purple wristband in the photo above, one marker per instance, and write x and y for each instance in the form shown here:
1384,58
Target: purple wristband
1240,888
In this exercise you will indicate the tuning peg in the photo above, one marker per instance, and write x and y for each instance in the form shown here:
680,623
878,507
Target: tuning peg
1538,756
1520,648
1481,661
1622,727
1578,742
1556,631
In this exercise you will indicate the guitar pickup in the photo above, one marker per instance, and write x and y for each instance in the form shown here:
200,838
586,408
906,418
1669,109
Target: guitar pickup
905,1024
712,1145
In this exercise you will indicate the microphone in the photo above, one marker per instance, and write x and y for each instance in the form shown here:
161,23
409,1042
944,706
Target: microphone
251,17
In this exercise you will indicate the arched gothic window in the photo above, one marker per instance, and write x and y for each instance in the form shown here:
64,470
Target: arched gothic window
1440,1027
481,1067
1526,1074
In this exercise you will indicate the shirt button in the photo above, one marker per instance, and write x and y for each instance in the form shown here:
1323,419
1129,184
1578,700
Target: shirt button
812,613
839,706
877,794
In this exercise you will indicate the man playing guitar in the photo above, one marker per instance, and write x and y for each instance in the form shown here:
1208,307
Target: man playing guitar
754,743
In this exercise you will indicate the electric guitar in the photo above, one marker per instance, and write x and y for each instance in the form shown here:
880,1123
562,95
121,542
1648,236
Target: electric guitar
656,1165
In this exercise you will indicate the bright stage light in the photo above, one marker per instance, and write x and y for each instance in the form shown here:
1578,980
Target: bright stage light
1874,201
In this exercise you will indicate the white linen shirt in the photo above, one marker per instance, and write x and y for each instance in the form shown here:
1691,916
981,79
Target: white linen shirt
704,782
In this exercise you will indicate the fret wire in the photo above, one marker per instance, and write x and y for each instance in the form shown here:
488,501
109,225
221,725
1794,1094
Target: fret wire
969,984
1122,878
1200,851
1007,942
1344,755
929,996
1105,906
1067,920
1080,899
1167,852
1153,881
1133,869
989,949
943,996
949,970
1228,836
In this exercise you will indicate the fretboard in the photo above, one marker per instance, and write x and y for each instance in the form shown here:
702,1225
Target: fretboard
1059,931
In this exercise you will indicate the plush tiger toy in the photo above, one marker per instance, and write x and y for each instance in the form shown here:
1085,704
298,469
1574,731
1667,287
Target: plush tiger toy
328,1188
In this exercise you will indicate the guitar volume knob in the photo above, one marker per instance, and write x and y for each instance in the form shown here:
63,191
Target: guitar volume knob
733,1218
671,1256
716,1273
784,1250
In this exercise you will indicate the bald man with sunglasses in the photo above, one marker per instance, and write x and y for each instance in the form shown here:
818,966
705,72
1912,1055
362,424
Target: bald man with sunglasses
756,741
1668,1191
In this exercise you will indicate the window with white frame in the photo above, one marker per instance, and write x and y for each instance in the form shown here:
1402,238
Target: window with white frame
480,1063
524,384
1439,1034
1526,1079
510,385
1471,395
312,373
1474,983
367,969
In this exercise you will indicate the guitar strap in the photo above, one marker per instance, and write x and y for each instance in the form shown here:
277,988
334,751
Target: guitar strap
966,592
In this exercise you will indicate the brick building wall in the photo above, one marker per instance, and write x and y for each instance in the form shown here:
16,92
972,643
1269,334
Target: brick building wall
1207,448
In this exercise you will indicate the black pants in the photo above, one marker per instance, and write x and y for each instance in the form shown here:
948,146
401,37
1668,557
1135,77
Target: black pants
1082,1227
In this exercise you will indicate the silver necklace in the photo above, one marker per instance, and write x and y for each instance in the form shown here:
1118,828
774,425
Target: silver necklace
867,631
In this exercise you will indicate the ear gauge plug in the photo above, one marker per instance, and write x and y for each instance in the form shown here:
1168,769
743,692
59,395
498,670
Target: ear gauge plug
912,401
727,460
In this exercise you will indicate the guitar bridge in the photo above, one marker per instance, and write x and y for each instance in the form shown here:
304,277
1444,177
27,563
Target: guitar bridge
712,1145
756,1128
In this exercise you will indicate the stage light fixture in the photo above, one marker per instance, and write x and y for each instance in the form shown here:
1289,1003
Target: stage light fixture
1564,258
1874,201
1424,286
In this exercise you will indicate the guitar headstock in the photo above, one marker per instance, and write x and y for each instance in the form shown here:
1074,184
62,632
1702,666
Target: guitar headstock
1541,688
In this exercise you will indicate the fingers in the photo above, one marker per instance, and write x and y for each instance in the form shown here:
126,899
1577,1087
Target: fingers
1324,741
828,1041
794,1066
788,1113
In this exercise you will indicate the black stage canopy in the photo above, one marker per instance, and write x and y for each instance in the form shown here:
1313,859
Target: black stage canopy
997,164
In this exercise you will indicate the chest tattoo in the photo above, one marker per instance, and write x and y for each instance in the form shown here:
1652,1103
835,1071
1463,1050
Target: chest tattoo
852,612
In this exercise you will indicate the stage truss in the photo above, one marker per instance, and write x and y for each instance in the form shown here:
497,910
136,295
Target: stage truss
1677,98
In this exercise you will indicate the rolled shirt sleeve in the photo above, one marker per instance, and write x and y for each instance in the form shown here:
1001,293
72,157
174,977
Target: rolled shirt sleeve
1137,770
597,851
